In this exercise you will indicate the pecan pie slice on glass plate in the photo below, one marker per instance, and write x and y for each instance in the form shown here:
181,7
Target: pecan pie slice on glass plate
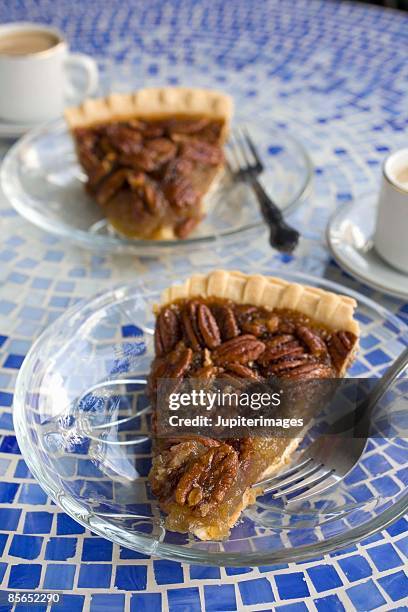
245,327
151,156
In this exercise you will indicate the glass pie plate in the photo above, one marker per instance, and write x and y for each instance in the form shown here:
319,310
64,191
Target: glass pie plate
43,181
92,456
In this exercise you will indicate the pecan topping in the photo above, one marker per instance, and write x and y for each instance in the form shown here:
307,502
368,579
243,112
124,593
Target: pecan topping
307,371
273,353
242,371
340,345
226,322
180,193
167,332
286,363
208,326
206,481
178,363
312,340
111,185
189,324
203,152
124,139
242,349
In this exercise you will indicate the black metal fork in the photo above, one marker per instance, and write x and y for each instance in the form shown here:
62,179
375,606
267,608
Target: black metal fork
245,164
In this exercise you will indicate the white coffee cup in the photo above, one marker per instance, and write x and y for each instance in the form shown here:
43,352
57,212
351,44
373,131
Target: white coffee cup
35,74
391,234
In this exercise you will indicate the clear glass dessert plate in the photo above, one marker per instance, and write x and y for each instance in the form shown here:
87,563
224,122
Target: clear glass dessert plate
42,179
92,456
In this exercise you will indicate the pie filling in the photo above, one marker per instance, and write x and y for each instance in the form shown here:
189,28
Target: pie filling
149,176
203,483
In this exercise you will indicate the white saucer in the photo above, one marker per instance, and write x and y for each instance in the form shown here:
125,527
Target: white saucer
349,236
8,129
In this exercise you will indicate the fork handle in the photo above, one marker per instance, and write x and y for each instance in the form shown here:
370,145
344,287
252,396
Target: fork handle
281,236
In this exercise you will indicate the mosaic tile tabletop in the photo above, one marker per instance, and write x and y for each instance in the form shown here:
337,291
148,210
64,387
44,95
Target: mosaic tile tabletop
335,75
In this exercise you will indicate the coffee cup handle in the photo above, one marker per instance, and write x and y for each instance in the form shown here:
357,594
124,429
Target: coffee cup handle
84,63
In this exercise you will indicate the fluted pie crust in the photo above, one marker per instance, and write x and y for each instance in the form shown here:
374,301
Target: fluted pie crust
154,105
326,313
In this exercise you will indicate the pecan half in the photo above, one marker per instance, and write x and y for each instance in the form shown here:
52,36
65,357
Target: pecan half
273,353
242,349
227,322
286,363
241,371
167,332
206,481
208,326
190,326
307,371
180,193
340,346
312,340
111,185
124,139
203,152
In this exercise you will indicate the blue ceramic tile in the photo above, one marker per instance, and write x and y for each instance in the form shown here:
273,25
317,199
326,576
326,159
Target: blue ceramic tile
365,596
258,591
385,557
184,599
236,571
67,526
398,527
146,602
25,547
204,572
8,492
96,549
131,577
69,603
22,470
9,445
14,361
32,494
129,331
94,575
355,567
293,607
9,518
6,399
3,567
60,549
24,576
107,601
6,422
167,572
126,553
41,283
220,598
38,522
291,586
3,541
330,603
402,544
395,585
324,577
59,576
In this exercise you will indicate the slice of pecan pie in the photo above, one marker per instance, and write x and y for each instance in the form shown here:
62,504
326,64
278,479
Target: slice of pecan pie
151,156
245,327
